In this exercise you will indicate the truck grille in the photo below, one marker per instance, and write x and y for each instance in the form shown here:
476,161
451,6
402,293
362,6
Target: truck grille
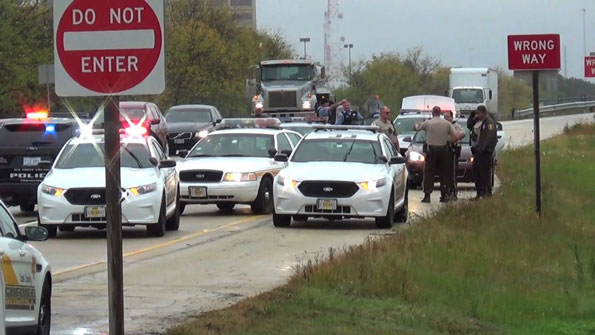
282,99
202,176
328,189
85,196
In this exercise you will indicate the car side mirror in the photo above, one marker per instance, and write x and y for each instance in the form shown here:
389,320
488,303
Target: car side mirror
154,161
36,233
167,163
155,121
183,153
281,158
272,152
216,122
45,164
397,160
407,139
383,159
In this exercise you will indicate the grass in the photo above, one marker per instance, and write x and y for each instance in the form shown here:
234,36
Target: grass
491,267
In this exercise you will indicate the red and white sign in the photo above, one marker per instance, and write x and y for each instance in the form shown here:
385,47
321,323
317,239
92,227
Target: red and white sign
534,52
108,47
589,67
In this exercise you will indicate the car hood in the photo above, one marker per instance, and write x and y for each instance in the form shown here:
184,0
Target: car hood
335,171
184,127
95,177
229,164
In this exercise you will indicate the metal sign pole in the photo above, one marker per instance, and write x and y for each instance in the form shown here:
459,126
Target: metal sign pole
537,143
114,217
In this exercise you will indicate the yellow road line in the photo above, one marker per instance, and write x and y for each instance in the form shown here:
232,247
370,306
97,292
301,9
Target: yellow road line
164,244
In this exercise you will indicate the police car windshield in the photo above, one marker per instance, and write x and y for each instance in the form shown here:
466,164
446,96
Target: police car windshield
188,115
88,155
286,72
303,130
337,150
404,126
234,145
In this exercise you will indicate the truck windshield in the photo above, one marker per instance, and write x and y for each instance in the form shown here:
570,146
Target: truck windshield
286,72
468,95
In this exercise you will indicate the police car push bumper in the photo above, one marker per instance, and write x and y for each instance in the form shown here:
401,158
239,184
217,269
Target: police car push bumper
236,192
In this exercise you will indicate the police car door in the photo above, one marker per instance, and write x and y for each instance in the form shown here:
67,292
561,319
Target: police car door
396,169
18,267
168,175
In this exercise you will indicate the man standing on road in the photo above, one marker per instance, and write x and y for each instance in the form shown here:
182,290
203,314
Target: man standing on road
438,132
454,152
484,137
346,116
385,126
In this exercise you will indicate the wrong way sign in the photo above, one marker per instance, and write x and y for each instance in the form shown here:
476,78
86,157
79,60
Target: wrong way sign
109,47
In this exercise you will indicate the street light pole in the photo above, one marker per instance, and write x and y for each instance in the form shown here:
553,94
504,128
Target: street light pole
584,33
349,47
305,40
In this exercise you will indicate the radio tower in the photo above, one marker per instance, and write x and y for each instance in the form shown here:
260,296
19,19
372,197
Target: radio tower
331,13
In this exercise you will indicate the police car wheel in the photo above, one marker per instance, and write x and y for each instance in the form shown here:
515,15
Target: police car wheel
387,221
403,213
264,201
158,229
226,206
182,207
281,220
173,223
27,207
45,310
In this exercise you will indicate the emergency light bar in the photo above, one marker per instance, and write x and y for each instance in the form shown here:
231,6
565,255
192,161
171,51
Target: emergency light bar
233,123
318,127
308,119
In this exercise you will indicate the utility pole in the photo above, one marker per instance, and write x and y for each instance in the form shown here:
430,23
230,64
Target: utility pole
349,47
584,33
305,40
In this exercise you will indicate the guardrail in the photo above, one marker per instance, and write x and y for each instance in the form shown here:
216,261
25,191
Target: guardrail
558,109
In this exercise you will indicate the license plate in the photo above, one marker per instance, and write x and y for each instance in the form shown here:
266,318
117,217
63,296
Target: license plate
95,212
31,161
326,204
198,192
179,141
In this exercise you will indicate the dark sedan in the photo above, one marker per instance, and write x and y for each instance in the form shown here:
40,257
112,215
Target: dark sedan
187,124
416,158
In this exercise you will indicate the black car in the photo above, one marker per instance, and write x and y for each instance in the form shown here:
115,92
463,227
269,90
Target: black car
187,124
24,144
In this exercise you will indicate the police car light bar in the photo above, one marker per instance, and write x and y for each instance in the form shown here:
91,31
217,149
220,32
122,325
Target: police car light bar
307,119
318,127
232,123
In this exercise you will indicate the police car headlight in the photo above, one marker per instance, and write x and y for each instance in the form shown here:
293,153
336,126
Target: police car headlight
306,104
239,176
372,184
143,189
55,191
258,105
283,181
416,157
201,134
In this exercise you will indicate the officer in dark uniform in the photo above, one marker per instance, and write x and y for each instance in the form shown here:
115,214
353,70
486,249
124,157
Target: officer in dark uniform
484,137
346,115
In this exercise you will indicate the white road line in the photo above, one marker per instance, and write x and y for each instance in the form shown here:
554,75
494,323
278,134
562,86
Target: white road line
109,40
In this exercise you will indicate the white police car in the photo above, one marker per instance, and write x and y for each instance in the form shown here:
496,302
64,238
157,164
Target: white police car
73,192
26,281
234,164
342,172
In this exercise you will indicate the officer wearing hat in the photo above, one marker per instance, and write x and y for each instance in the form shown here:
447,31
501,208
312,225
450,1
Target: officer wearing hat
484,137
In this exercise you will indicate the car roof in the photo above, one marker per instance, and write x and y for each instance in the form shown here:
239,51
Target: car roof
191,106
333,134
263,131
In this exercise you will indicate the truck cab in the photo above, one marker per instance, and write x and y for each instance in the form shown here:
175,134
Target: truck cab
471,87
285,88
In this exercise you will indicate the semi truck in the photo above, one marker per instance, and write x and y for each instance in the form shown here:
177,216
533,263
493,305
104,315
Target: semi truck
471,87
286,88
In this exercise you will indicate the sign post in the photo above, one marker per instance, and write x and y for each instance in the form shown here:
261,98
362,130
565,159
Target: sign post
535,53
589,67
110,48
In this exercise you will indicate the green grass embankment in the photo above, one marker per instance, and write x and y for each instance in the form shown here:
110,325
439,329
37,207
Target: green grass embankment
489,267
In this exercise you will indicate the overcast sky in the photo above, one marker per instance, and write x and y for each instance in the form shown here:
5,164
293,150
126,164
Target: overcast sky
457,32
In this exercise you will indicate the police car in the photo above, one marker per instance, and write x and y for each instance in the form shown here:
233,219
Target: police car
234,164
342,172
24,143
26,281
73,192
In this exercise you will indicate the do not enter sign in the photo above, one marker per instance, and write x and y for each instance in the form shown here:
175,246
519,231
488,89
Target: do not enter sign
108,47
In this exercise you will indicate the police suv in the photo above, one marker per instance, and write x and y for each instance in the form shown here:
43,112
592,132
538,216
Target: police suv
234,164
341,172
24,143
26,281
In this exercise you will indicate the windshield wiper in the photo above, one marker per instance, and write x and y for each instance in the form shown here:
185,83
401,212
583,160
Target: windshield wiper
235,155
140,166
201,155
349,151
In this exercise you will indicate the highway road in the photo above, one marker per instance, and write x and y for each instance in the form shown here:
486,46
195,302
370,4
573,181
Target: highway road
214,260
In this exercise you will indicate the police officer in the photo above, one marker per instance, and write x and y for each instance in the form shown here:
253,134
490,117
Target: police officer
438,132
454,152
386,126
346,116
484,137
